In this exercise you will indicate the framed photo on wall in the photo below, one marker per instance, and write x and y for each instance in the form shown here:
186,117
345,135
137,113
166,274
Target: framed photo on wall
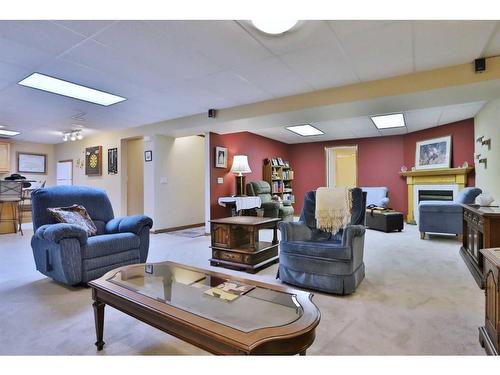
31,163
220,157
93,161
148,155
112,160
433,153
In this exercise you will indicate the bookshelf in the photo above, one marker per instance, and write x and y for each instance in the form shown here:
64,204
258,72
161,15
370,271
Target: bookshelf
279,174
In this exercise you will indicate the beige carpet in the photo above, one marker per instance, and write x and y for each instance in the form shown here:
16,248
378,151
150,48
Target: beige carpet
417,298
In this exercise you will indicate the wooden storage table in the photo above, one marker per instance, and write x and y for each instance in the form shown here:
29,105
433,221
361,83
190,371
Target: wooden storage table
236,244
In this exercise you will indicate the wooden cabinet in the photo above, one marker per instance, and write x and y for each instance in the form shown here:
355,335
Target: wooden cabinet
481,231
4,157
489,334
236,244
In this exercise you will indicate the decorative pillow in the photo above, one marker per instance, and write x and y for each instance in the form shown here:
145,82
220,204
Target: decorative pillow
74,214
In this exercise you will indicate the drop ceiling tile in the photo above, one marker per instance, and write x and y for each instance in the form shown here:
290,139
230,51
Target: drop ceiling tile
41,35
345,28
21,55
493,48
394,131
459,112
139,44
363,127
202,96
380,52
321,66
338,129
84,27
444,43
225,43
422,118
274,77
229,84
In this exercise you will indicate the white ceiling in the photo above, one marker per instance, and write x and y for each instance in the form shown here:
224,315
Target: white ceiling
361,127
170,69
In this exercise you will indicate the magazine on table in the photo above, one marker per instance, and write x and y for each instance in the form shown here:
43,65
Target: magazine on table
229,290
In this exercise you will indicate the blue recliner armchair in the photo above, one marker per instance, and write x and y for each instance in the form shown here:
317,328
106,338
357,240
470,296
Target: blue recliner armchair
315,259
65,253
445,217
376,196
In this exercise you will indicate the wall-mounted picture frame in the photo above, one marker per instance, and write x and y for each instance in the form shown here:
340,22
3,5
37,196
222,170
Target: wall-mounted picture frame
220,157
433,153
112,160
148,155
93,161
28,162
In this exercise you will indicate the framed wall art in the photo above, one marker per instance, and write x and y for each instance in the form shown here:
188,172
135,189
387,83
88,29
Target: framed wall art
31,163
112,160
93,161
433,153
148,155
220,157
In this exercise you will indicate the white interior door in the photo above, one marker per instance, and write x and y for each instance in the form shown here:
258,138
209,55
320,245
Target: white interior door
65,172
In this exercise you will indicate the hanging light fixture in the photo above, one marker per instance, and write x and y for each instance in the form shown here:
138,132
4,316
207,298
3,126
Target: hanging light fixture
73,136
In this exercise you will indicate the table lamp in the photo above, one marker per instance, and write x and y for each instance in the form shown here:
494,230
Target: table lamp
240,166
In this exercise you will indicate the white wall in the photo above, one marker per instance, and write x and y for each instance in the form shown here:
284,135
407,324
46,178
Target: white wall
180,175
173,181
487,124
36,148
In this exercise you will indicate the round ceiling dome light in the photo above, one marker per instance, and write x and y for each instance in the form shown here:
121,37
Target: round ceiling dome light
274,26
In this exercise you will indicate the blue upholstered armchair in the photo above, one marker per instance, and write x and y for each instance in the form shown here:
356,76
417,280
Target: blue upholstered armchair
65,253
315,259
445,217
376,196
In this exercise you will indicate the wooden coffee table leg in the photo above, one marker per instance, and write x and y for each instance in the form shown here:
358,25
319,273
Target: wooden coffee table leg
99,323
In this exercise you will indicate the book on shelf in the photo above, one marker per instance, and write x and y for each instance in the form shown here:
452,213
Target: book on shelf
229,290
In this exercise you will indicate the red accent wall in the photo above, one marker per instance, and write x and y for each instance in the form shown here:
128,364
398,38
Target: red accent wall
379,160
462,143
256,147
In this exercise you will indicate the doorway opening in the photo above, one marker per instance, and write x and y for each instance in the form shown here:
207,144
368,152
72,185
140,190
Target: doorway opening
135,176
341,166
64,173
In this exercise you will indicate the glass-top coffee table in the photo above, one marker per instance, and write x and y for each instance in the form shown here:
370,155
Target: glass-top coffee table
220,313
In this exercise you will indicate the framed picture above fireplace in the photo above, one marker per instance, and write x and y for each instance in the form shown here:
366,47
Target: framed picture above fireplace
433,153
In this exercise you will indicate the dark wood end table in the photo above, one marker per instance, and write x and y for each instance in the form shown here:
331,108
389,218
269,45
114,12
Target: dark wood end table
236,244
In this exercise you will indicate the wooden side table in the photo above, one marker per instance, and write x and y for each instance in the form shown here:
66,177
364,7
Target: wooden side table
236,244
481,231
489,334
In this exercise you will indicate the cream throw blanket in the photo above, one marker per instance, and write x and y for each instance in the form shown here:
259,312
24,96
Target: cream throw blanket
333,208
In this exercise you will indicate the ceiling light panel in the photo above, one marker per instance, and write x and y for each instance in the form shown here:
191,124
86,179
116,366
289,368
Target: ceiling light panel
393,120
72,90
8,133
305,130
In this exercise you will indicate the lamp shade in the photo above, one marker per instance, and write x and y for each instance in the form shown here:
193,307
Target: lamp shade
240,164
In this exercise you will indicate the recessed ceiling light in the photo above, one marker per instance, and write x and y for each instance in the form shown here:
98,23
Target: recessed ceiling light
61,87
9,133
394,120
274,26
305,130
